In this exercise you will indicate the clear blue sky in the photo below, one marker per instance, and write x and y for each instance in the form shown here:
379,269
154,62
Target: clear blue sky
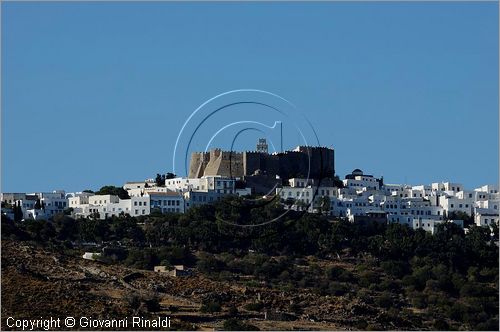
95,93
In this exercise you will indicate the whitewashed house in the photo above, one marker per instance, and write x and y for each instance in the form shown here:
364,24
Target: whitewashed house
169,201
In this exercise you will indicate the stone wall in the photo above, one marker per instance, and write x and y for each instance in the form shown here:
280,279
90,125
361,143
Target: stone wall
287,165
216,162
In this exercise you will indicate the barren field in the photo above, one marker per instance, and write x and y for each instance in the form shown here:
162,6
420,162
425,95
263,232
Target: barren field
37,282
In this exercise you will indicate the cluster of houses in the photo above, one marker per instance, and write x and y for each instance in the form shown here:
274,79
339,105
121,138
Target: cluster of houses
362,197
176,196
366,197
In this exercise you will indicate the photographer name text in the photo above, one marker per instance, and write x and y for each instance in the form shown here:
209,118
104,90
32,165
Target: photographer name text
52,323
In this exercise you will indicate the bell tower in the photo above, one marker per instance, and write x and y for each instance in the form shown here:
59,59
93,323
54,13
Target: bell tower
262,146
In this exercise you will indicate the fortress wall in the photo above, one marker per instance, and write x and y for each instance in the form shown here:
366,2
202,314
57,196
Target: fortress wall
266,163
296,163
251,162
213,164
231,164
288,164
225,163
197,164
293,164
271,165
322,160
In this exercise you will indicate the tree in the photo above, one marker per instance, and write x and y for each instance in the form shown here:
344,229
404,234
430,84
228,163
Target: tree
208,264
494,231
459,215
210,306
324,205
93,230
40,230
160,180
337,182
65,226
384,300
112,190
18,212
170,175
233,324
38,204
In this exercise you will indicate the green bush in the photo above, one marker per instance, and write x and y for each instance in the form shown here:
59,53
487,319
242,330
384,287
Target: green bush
210,307
457,312
296,308
233,311
361,325
440,325
367,278
419,300
133,300
208,264
256,306
420,277
389,285
365,295
140,259
395,268
337,289
384,300
234,324
489,325
346,276
488,274
152,304
333,272
408,281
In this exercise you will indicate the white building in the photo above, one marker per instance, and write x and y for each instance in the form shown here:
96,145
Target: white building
484,217
43,205
490,189
455,204
219,184
139,184
430,225
106,206
360,181
304,195
79,199
169,201
447,186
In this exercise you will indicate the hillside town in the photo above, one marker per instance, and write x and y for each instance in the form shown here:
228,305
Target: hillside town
358,197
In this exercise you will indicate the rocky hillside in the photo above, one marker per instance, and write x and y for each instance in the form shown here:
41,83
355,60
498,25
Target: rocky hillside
38,282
